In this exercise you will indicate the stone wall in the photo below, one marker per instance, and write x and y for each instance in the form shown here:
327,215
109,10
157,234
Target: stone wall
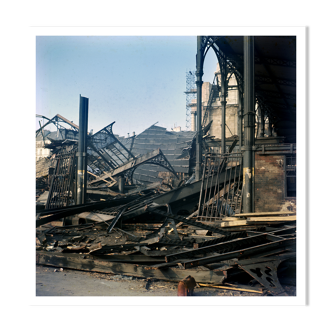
231,121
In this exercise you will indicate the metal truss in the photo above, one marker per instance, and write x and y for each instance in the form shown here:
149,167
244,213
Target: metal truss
269,80
233,62
273,94
57,121
275,62
127,170
105,151
61,189
191,93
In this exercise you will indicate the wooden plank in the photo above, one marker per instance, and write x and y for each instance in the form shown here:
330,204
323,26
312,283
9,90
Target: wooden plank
91,216
253,214
285,218
76,262
234,223
257,221
232,218
233,288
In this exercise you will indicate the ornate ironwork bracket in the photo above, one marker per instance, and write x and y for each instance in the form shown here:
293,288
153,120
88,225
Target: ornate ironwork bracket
264,270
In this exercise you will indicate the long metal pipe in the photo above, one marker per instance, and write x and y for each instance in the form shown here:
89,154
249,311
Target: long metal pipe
249,123
81,178
199,82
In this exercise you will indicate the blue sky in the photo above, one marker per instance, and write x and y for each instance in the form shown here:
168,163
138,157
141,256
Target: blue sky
135,81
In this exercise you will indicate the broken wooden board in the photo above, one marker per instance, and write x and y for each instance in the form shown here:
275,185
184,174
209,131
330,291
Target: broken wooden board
232,218
233,288
256,220
284,218
77,262
92,216
234,223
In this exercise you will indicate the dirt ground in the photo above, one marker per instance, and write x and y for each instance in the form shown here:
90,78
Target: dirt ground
50,281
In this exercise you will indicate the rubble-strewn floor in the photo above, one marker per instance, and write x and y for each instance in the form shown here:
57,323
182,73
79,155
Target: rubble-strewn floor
78,283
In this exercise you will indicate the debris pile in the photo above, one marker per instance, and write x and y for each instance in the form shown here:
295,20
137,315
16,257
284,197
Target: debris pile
152,226
254,252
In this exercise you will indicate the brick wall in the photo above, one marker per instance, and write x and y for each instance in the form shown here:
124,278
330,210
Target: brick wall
269,184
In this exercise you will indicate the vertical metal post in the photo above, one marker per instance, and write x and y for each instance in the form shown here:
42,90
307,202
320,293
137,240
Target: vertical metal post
81,153
223,105
269,131
199,82
262,122
249,122
239,118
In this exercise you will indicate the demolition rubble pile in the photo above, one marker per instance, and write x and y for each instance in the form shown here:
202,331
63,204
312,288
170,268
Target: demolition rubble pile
160,222
138,236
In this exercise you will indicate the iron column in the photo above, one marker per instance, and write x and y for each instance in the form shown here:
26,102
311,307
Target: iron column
223,104
269,130
81,178
262,124
199,82
249,122
239,117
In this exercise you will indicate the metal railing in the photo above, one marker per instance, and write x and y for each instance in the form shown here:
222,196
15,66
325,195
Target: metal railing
221,190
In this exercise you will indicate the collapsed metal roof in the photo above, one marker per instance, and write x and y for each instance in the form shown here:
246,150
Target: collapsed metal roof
171,143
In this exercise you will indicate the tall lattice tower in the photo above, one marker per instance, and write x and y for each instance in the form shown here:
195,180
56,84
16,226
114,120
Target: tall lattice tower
191,93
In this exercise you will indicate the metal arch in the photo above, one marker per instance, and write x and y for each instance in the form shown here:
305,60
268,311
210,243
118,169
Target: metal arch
159,160
207,43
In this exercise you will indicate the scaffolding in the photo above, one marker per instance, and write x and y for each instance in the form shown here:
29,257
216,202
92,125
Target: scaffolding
191,93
